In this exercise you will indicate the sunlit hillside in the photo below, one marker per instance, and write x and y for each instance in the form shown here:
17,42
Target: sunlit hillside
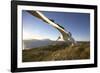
57,52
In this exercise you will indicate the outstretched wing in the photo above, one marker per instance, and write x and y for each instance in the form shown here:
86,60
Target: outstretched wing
65,34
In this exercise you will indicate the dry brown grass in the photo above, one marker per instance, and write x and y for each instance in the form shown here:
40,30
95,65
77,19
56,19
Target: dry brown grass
57,52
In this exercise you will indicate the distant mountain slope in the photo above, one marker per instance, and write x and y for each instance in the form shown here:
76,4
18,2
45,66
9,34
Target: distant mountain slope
36,43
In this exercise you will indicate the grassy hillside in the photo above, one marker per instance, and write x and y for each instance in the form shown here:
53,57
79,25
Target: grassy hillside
57,52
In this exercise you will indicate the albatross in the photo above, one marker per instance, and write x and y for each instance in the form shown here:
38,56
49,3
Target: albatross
65,34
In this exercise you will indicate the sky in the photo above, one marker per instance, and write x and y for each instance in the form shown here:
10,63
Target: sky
78,24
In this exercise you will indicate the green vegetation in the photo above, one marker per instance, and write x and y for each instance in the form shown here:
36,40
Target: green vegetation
57,52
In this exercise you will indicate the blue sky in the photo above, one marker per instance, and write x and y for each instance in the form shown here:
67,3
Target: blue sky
77,23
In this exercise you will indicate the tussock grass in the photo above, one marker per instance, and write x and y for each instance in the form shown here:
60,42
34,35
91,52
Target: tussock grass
57,52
